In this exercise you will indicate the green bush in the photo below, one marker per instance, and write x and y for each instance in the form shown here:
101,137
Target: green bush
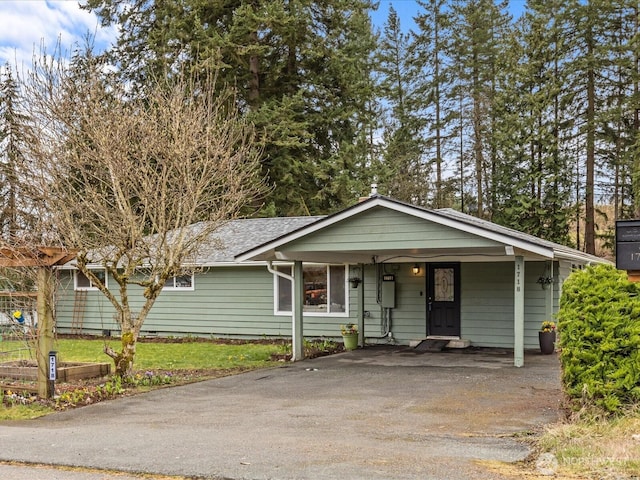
599,325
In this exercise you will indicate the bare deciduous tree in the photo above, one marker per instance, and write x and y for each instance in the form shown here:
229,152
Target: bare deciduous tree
136,185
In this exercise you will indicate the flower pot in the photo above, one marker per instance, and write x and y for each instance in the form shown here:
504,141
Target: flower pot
350,341
547,342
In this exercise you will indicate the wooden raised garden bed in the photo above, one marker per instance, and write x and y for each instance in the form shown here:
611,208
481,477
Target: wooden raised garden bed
65,372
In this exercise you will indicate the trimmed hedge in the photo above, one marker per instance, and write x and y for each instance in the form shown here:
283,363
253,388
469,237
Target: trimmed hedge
599,325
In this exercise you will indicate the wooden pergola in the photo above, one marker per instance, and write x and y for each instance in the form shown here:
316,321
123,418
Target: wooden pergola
35,257
44,259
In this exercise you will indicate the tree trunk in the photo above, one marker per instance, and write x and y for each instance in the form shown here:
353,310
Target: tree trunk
254,75
589,207
478,154
436,77
124,359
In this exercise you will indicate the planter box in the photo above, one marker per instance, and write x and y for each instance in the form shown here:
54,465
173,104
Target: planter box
66,372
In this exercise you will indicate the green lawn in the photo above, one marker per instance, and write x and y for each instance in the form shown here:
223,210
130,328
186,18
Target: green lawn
172,356
151,358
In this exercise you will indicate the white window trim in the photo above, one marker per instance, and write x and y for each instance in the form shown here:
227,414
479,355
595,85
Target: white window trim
283,313
181,289
91,287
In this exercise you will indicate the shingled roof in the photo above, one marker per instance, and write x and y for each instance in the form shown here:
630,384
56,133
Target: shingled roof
237,236
560,250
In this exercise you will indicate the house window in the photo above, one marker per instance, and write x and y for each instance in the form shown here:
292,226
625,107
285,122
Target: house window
82,282
181,282
325,289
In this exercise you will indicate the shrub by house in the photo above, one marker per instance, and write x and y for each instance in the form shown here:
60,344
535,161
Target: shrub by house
599,325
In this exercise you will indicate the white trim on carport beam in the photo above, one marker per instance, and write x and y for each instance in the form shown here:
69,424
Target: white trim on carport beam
297,335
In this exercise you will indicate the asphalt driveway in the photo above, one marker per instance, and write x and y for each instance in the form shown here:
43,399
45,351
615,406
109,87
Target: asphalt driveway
378,413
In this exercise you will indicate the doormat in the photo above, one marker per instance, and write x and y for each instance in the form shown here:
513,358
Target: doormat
432,345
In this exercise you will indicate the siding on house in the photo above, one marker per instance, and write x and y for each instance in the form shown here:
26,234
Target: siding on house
226,301
239,302
379,229
98,311
408,320
487,303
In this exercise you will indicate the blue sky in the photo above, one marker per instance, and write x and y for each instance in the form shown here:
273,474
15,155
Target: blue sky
25,25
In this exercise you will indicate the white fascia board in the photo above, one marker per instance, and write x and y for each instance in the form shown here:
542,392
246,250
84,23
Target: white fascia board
585,259
246,263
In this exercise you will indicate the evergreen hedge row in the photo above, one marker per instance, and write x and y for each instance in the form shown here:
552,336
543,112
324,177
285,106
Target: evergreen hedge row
599,328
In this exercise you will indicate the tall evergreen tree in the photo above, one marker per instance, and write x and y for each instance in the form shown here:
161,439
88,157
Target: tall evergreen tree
301,68
618,128
404,176
479,29
430,56
533,172
15,137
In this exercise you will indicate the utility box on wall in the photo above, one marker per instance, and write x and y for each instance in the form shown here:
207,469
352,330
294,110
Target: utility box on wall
388,293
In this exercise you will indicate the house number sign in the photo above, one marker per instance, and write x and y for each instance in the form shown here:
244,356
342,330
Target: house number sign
628,244
53,364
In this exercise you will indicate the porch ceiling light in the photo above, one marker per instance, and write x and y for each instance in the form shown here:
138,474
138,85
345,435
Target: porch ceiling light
416,269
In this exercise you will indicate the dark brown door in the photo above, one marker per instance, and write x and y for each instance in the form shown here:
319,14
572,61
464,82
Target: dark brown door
443,301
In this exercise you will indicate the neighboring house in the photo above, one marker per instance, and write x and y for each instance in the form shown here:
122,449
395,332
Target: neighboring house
402,273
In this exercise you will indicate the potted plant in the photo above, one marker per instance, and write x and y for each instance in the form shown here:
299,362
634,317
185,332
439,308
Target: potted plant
349,336
547,337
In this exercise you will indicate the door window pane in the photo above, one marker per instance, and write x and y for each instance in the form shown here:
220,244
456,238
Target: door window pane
443,285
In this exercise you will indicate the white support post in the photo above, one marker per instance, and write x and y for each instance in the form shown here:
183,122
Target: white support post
518,312
298,302
361,307
549,293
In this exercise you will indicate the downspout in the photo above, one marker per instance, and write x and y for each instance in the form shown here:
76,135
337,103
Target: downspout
277,273
385,313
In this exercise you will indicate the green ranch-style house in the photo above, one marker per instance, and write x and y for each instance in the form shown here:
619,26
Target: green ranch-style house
400,272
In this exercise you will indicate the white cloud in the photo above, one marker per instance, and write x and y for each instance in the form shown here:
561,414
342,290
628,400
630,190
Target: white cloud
28,25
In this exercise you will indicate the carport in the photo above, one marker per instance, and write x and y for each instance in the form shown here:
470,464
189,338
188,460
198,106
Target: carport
471,278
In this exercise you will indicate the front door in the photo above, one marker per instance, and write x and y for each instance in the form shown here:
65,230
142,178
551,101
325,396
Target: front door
443,300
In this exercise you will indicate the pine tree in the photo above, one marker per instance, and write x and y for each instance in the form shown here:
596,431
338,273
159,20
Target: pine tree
302,72
430,47
534,170
15,137
404,176
479,28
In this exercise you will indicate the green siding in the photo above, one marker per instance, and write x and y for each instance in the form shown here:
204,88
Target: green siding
487,303
238,302
226,301
408,319
380,229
